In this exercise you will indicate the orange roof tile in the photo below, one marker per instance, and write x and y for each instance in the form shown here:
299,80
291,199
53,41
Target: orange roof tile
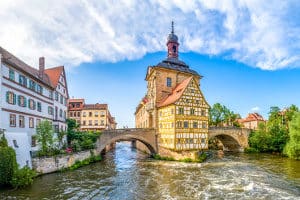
176,93
54,74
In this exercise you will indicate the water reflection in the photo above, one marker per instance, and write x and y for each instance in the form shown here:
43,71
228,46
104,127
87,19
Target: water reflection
128,174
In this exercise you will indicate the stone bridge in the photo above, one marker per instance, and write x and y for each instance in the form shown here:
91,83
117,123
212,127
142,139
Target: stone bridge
147,136
232,138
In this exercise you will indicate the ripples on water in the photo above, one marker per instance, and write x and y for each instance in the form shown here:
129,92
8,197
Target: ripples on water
128,174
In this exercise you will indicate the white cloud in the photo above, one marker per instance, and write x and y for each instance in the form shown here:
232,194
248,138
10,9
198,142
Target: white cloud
255,109
262,34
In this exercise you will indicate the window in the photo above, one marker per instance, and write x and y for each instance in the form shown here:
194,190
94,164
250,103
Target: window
33,141
195,124
192,111
78,114
61,99
22,101
83,122
192,91
185,124
31,122
10,98
169,82
56,96
84,114
50,94
39,106
203,141
23,80
38,121
180,111
31,104
71,114
56,128
39,89
11,74
102,123
96,114
90,122
15,144
90,114
96,122
50,110
179,124
65,115
12,120
32,85
174,48
21,121
203,124
202,112
60,113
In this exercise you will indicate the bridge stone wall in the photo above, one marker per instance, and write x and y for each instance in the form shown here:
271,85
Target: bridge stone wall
146,136
233,138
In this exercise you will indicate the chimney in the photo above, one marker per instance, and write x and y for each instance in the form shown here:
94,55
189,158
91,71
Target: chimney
41,67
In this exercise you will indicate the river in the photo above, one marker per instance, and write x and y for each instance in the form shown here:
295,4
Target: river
126,173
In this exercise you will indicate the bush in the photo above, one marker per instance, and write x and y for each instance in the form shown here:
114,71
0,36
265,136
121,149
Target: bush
8,165
158,157
251,150
201,157
23,177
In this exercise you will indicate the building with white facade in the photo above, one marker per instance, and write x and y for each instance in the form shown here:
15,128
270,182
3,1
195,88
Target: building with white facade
29,95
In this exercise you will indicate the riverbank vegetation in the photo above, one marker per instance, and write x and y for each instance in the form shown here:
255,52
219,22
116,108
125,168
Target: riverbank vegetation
63,142
201,157
10,173
280,134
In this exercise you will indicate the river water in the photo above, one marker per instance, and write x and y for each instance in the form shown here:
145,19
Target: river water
126,173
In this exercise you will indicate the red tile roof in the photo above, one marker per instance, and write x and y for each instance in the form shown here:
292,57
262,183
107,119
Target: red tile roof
95,106
54,74
176,93
253,117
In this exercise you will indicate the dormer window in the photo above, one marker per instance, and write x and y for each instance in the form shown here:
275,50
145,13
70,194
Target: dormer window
169,82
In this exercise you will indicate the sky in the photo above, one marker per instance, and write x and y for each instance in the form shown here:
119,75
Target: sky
247,51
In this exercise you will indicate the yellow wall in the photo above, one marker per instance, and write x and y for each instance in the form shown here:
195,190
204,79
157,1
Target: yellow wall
166,126
99,116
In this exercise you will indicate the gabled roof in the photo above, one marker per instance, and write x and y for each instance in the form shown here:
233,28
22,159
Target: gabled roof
176,93
54,74
253,117
23,67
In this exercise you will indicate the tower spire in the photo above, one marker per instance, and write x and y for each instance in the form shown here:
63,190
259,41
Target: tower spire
172,43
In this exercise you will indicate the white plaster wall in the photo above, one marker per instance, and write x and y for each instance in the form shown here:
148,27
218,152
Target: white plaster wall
23,149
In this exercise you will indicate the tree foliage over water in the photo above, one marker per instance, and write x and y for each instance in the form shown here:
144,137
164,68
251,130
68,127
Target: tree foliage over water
274,135
220,115
292,148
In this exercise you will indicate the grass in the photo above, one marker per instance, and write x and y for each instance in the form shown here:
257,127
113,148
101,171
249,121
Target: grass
84,162
201,158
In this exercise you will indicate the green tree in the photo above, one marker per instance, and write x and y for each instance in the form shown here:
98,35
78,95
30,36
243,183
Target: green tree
292,148
220,115
8,163
44,134
260,139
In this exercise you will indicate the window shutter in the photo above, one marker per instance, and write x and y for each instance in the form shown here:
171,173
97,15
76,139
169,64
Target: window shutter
19,100
25,102
7,96
20,81
15,98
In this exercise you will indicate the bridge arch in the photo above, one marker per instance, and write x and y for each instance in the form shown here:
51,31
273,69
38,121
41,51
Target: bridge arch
145,136
232,138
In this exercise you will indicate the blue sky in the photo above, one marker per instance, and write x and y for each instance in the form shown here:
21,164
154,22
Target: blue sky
247,50
241,88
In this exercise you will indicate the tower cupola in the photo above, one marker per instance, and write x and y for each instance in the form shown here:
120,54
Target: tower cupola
172,44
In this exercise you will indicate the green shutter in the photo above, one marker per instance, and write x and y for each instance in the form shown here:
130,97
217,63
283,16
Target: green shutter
15,98
7,96
25,102
19,100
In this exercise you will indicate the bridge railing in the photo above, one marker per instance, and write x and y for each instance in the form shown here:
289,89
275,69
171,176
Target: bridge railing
128,130
227,128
